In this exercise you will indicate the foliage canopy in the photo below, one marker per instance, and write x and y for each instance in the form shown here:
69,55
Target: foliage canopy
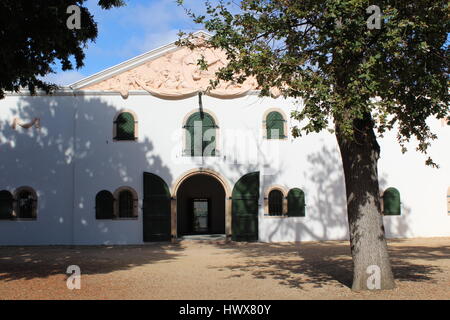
324,52
34,35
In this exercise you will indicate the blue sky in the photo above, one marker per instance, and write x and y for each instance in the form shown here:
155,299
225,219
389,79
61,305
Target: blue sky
126,32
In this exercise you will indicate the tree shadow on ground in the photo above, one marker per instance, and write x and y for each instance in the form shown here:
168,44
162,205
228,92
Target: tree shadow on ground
26,263
419,270
327,263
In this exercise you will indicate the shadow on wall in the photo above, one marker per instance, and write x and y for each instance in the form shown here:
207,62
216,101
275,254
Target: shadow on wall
396,226
44,159
326,215
328,203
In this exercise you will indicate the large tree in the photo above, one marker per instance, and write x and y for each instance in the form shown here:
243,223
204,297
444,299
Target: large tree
357,76
36,34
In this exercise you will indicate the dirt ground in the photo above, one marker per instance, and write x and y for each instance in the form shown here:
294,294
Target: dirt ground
217,270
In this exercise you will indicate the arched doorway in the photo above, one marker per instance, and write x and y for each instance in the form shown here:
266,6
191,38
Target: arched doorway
201,205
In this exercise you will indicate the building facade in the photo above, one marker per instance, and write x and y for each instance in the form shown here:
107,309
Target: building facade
115,159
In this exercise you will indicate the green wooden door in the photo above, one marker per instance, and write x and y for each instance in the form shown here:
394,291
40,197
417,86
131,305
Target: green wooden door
245,199
156,209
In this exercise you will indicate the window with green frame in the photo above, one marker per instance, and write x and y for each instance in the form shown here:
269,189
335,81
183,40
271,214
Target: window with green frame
391,202
275,124
296,203
125,127
201,131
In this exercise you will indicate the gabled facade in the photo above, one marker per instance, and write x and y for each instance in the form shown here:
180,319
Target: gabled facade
140,152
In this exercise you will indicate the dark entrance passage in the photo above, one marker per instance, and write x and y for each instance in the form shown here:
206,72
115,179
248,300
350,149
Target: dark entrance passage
200,206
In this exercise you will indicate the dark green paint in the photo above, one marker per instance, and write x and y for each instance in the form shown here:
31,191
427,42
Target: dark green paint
125,127
275,125
391,201
208,139
156,210
296,203
245,198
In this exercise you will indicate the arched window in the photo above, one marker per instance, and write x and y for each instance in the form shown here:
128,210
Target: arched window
126,204
6,205
125,127
275,203
275,124
104,205
201,131
26,203
296,203
391,202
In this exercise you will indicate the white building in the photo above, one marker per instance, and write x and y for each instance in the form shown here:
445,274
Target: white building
108,161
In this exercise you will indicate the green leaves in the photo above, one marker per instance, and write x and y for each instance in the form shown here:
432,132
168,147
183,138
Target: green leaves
34,36
108,4
324,52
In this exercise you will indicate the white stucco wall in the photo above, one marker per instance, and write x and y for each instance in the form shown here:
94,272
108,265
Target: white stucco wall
42,160
68,175
423,188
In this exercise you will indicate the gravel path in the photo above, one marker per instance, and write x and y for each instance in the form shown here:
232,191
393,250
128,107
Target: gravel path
215,270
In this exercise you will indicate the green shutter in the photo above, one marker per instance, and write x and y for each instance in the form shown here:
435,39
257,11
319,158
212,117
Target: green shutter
125,126
296,203
126,204
391,202
104,205
275,121
156,210
6,204
207,123
275,203
245,199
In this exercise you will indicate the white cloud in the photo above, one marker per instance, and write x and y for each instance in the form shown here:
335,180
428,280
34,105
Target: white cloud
140,44
159,22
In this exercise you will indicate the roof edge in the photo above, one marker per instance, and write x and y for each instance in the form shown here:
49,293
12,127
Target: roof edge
129,64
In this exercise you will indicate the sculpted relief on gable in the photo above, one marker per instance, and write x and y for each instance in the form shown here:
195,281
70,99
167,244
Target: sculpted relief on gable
176,75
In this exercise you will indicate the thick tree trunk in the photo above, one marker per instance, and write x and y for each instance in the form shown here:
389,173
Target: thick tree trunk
371,265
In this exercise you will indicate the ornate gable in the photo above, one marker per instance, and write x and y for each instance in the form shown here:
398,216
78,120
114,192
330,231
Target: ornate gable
175,74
